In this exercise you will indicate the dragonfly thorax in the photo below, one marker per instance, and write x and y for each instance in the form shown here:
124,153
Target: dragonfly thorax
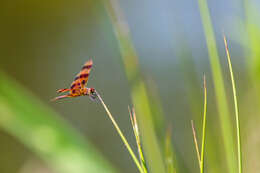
89,91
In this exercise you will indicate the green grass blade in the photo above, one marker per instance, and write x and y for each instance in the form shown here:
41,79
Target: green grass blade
156,109
200,155
253,51
151,145
222,105
239,150
137,138
121,135
43,132
139,92
203,128
169,153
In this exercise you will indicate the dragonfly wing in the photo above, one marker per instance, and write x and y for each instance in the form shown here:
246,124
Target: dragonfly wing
60,97
82,78
84,73
63,90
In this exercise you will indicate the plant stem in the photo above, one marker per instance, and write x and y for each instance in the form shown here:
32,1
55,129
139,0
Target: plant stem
139,92
121,135
239,151
203,128
222,105
137,138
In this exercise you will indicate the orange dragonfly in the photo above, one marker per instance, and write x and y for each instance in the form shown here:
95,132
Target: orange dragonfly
77,87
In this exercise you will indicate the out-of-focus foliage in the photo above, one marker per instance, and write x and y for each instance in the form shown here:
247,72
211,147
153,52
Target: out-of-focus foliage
139,92
41,130
220,93
171,43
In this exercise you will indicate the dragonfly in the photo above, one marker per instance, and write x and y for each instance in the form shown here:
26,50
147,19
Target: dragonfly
78,86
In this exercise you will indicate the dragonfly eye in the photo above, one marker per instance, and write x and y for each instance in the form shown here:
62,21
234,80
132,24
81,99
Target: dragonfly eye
93,94
92,90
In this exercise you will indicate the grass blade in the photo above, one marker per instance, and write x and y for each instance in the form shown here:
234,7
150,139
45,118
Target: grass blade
137,138
121,134
139,92
200,155
239,150
169,157
222,105
204,127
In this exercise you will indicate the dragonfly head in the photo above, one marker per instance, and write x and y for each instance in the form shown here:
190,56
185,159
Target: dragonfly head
92,93
92,90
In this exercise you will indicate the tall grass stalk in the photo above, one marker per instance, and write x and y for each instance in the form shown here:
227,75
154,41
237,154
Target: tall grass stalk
121,134
137,138
204,126
239,150
200,155
222,105
139,93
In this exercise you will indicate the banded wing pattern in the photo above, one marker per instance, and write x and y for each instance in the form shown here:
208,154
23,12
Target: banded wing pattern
77,87
81,79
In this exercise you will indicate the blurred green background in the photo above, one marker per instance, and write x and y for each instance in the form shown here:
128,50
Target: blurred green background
44,44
